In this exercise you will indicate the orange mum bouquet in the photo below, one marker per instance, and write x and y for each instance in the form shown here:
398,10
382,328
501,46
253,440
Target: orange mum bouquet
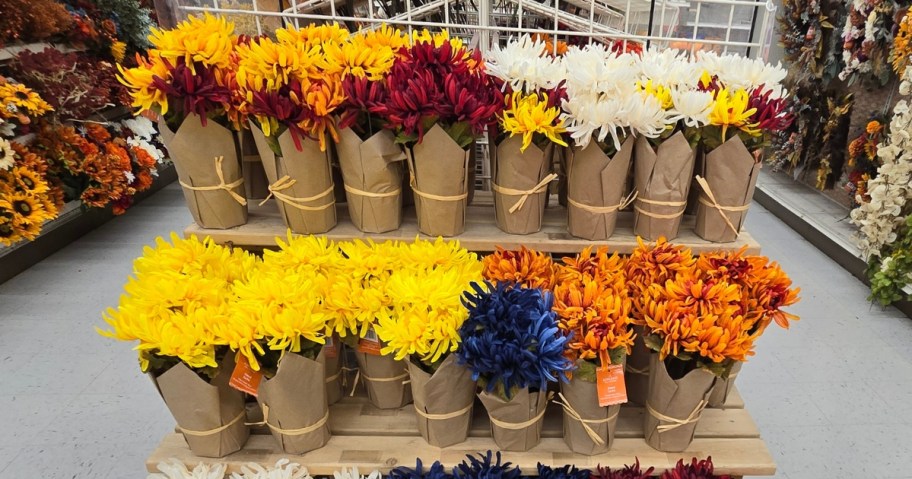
528,268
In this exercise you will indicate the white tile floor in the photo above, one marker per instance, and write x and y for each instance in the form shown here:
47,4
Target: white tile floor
832,396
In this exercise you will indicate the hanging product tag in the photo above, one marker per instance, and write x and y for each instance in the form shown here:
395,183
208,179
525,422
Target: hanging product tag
610,384
331,347
244,378
369,344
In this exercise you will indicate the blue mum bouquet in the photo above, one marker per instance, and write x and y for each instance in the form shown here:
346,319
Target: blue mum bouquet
512,345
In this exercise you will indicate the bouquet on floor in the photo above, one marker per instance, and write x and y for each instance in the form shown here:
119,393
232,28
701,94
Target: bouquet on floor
594,311
187,80
512,345
748,109
369,157
438,100
603,112
423,328
529,129
175,303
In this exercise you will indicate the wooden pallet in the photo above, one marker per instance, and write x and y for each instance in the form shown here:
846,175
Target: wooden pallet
481,234
370,438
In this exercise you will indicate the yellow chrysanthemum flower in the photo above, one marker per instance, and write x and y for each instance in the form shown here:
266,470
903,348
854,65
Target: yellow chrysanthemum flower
730,109
313,34
528,115
271,65
385,36
437,38
208,40
192,257
660,92
357,58
138,81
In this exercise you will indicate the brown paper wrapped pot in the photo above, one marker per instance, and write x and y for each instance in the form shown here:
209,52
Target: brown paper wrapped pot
723,387
636,371
211,415
372,172
520,184
294,403
662,177
194,148
443,402
731,174
256,185
516,424
385,380
595,189
301,182
334,371
440,182
582,397
674,406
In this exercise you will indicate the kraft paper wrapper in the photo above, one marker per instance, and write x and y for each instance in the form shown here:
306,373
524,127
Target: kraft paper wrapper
440,167
662,174
201,406
256,185
732,173
676,399
450,390
522,171
333,376
598,181
296,398
723,387
560,159
312,171
387,393
372,166
193,148
520,408
582,396
636,372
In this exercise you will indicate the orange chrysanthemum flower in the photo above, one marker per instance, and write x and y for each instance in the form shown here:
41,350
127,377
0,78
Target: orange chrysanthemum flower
654,264
529,268
597,318
602,267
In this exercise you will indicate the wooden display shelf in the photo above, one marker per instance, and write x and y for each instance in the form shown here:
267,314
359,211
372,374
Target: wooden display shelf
481,233
371,438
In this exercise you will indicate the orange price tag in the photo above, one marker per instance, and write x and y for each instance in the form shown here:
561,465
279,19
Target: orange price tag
610,384
369,344
331,348
244,378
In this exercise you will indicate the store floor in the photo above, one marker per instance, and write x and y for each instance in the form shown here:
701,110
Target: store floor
832,396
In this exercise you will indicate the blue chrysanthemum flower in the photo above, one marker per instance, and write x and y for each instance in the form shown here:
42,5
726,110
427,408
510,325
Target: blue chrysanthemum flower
511,338
436,471
563,472
484,467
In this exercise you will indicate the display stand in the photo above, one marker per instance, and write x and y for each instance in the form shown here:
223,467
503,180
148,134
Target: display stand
370,438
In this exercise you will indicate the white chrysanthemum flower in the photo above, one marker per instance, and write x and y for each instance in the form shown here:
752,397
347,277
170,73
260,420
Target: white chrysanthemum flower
283,469
588,116
692,107
736,72
645,115
141,127
7,155
593,70
669,67
174,469
354,474
524,65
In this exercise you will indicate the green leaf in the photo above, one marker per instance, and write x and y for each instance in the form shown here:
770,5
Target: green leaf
617,355
653,342
585,371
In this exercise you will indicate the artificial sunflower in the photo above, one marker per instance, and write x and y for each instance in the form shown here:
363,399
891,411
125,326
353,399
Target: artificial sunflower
23,97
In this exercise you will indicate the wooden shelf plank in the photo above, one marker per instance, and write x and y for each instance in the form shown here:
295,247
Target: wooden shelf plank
730,456
481,234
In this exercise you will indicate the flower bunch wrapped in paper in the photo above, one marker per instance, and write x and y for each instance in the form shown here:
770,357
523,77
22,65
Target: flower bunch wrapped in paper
664,164
593,307
530,128
527,268
513,346
437,100
175,303
370,159
701,323
278,325
648,264
186,80
423,328
748,108
603,112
